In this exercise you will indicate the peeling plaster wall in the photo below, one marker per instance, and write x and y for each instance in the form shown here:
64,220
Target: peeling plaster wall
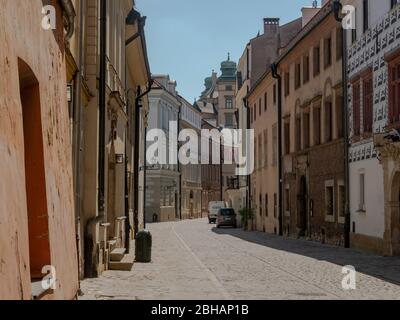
21,36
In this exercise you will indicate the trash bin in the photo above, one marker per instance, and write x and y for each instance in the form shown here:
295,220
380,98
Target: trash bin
143,246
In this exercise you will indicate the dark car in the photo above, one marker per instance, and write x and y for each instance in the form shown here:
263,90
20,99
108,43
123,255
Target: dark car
226,218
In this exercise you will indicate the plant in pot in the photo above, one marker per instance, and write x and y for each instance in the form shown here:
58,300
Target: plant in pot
247,216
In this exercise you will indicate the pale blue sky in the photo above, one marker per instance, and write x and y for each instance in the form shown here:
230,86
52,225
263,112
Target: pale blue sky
188,38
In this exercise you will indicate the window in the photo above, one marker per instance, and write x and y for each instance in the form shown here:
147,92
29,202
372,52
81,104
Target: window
328,52
229,120
356,108
341,200
251,115
255,153
297,80
365,15
265,101
298,134
260,152
275,95
361,207
275,205
306,130
306,69
35,178
329,200
259,107
275,145
317,60
317,125
228,88
394,92
393,3
339,115
228,103
328,122
255,112
354,30
287,84
368,104
266,205
287,137
265,147
261,205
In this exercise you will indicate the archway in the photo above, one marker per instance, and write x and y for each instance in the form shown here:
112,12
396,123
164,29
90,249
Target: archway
302,199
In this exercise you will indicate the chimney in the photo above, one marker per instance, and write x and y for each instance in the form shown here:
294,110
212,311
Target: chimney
309,12
271,26
172,87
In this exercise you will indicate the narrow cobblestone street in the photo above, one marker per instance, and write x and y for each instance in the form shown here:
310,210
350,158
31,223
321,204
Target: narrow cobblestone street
194,260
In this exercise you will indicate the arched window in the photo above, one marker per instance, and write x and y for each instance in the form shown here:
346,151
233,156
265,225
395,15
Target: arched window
35,179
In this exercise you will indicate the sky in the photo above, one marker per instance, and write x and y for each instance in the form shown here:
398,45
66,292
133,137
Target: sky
187,39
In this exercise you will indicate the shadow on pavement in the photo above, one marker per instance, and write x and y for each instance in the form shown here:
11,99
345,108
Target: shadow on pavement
385,268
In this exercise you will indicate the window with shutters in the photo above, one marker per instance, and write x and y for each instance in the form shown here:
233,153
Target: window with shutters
368,103
394,92
356,108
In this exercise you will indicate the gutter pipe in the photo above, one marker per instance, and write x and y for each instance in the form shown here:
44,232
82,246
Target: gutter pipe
277,76
337,8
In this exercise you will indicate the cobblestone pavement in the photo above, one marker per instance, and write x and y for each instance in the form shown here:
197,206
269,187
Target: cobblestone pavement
194,260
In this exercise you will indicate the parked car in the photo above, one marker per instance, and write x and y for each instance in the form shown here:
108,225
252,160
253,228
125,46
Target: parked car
213,208
226,218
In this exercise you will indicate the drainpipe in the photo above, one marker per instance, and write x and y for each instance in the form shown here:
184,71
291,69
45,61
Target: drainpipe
144,178
90,249
69,17
337,9
276,75
76,136
246,105
179,170
138,108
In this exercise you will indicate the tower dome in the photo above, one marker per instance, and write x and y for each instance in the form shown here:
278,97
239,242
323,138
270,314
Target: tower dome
228,69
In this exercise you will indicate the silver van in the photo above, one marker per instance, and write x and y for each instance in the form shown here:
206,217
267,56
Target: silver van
226,218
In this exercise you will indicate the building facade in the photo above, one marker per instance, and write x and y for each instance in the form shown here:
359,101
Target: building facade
190,119
372,68
313,150
163,195
116,72
257,86
37,232
210,173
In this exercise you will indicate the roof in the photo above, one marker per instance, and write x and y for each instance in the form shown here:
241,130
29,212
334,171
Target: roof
322,14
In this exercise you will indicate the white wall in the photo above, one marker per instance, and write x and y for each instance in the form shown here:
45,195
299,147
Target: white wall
372,222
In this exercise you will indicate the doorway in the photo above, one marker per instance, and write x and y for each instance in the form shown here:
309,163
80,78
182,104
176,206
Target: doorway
302,200
35,177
